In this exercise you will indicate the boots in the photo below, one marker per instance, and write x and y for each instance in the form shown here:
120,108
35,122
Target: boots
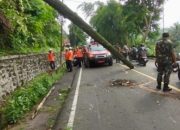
158,87
166,88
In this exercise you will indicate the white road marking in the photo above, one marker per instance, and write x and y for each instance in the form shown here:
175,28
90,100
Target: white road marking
73,108
171,86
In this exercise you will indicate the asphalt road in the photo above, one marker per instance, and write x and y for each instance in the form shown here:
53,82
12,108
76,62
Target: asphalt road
97,105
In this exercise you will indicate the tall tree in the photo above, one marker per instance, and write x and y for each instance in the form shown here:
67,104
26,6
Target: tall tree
89,8
175,36
108,22
76,35
146,11
64,10
175,32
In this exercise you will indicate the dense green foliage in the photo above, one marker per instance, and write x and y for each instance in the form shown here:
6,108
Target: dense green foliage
23,99
28,25
133,22
108,22
175,36
76,35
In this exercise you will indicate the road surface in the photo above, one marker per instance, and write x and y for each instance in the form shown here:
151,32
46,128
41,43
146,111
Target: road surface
94,104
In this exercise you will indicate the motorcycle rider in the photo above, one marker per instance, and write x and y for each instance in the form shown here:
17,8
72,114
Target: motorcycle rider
142,54
133,53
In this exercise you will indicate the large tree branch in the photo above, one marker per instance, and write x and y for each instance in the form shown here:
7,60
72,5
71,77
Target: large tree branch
66,12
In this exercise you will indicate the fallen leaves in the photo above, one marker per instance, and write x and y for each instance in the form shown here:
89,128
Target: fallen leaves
122,82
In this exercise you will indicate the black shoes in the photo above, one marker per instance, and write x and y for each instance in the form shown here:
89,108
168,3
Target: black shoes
158,87
167,89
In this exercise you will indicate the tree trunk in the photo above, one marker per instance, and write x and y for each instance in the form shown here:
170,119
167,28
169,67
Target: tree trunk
66,12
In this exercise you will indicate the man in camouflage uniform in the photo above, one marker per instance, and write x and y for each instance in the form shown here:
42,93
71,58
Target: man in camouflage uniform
165,57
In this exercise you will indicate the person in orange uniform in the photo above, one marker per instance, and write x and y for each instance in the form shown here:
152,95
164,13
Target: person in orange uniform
70,59
66,58
79,56
51,59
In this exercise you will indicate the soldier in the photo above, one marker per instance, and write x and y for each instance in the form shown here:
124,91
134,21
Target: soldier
165,57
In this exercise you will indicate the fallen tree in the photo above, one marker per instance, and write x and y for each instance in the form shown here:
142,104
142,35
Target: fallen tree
67,13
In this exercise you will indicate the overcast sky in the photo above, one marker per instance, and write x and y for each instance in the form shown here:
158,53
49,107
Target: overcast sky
171,11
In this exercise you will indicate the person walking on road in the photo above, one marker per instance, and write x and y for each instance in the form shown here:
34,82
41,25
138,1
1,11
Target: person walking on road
165,58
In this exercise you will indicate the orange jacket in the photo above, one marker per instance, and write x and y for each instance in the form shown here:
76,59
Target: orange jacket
79,53
66,55
69,55
51,56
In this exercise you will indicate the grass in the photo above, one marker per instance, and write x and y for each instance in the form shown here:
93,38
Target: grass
26,97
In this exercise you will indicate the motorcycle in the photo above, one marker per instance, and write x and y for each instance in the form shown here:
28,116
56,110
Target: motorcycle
142,60
176,69
75,61
142,57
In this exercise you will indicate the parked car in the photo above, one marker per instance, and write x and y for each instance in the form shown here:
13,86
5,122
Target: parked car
97,54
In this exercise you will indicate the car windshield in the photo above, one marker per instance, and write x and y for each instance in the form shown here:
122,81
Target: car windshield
97,48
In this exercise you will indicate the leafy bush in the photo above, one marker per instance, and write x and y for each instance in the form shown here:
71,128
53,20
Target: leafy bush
33,26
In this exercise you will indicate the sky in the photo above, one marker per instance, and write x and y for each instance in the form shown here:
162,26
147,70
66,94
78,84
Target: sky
171,10
171,13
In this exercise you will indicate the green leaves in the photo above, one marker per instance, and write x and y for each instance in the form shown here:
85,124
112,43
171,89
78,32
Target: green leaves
76,35
123,23
33,24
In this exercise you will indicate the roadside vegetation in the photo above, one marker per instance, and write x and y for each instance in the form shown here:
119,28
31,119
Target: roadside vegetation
28,27
130,22
26,97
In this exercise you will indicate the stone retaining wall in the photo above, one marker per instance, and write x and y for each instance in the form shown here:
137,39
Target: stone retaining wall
19,69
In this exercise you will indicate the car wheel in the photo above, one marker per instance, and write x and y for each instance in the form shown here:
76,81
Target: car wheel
86,63
110,62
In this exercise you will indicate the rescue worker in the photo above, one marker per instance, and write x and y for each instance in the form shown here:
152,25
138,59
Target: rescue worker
51,59
70,59
79,56
66,58
165,57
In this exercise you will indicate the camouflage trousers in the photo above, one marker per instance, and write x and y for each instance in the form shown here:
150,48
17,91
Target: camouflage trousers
164,69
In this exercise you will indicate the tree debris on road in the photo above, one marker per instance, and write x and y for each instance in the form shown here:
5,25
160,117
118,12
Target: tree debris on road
123,82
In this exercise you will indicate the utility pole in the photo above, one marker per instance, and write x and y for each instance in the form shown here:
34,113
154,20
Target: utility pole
163,17
61,43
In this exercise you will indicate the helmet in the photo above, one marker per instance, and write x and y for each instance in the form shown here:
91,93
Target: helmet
66,48
50,49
